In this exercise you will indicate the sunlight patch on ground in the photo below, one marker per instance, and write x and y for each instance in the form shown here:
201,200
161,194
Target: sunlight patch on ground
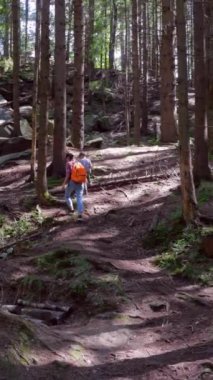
138,266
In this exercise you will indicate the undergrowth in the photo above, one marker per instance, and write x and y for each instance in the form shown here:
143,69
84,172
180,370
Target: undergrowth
179,246
19,227
183,257
69,274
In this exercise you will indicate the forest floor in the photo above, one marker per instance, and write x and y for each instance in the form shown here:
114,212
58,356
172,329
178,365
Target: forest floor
130,319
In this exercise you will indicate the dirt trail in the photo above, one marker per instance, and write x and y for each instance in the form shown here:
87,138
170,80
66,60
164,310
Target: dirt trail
157,331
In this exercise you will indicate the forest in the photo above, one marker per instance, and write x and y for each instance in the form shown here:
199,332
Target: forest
106,189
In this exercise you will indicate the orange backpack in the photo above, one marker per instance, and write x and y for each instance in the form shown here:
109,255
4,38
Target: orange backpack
78,173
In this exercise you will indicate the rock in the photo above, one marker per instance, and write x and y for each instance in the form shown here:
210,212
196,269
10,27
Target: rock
14,145
5,116
95,143
50,127
206,246
3,101
6,130
26,129
26,112
15,156
100,170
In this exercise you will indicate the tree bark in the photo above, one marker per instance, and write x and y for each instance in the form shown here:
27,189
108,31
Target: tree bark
6,29
167,88
59,137
70,14
136,73
78,85
35,90
113,27
16,64
189,202
26,28
201,164
89,61
144,71
42,191
127,40
209,39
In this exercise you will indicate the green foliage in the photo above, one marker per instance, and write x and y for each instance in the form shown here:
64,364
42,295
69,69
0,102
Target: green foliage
53,182
22,226
183,257
152,141
163,234
205,192
2,220
6,65
32,283
80,279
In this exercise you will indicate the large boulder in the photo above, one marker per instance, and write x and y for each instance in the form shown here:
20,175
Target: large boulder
26,112
5,116
95,143
26,129
6,130
50,127
14,145
3,101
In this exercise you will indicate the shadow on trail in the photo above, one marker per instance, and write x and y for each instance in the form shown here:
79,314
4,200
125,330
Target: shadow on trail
117,369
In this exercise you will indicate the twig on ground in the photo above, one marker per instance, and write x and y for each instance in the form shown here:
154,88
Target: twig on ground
123,192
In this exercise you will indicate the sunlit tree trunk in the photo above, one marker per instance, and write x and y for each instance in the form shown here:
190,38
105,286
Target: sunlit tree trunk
16,64
35,90
201,165
189,202
59,137
136,72
78,90
167,87
42,191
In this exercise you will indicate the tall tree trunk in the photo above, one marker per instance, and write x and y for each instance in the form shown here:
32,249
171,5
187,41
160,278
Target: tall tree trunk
16,64
136,72
11,32
26,28
167,88
35,90
42,191
59,138
189,202
201,165
89,61
209,40
113,28
127,40
144,71
69,31
78,85
6,29
154,64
